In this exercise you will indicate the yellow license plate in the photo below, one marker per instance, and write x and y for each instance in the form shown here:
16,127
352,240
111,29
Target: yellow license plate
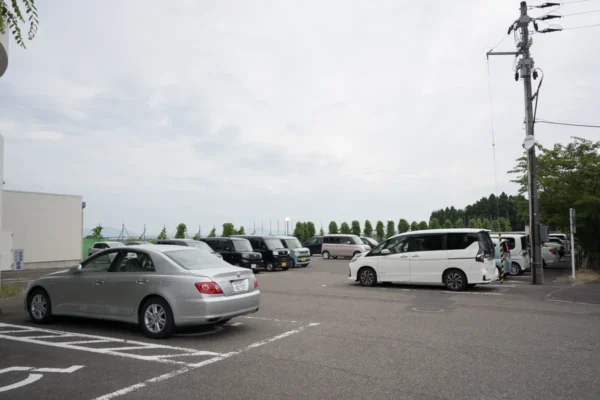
303,259
284,264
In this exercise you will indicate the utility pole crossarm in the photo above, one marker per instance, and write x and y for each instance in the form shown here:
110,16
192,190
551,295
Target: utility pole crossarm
502,53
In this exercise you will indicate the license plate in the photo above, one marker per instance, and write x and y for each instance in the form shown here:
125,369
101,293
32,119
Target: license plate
253,265
239,286
303,259
283,264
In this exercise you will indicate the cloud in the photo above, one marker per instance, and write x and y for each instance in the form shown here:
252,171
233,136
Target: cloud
207,112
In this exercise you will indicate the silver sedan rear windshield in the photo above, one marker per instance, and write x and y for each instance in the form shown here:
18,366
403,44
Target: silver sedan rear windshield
195,259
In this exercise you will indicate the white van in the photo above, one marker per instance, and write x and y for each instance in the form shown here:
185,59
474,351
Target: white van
456,258
517,243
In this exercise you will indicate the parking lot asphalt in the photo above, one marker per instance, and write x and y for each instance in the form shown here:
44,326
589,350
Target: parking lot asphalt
319,336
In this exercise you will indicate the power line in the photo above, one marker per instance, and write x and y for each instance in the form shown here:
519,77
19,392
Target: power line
580,13
575,1
493,135
542,121
580,27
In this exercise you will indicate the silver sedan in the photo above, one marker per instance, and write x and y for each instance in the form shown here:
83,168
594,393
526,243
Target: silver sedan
157,287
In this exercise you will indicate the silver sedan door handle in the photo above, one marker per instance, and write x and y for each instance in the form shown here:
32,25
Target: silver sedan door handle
142,281
415,256
403,256
98,282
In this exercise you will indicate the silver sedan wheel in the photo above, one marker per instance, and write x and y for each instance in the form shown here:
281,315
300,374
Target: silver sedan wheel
367,277
39,306
454,280
155,318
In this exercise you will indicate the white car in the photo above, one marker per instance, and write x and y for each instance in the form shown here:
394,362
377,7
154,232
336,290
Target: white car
517,243
456,258
564,238
549,255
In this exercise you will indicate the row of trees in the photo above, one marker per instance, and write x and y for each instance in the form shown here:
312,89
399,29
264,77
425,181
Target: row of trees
305,230
490,208
568,177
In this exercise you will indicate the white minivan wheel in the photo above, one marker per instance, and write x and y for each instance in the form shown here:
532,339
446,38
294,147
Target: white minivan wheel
515,269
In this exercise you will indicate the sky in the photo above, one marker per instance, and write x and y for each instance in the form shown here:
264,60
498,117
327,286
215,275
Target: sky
205,112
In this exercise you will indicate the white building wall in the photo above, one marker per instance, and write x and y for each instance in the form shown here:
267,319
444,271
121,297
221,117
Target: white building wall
47,226
5,236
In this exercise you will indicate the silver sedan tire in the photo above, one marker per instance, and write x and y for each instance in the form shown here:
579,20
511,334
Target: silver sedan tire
156,318
39,306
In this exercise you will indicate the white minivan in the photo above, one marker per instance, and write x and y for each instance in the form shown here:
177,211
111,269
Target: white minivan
456,258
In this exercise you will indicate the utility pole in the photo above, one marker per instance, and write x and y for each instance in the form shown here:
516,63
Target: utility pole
525,71
526,68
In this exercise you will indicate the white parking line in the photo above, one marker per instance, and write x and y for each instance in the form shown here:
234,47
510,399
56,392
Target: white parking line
221,357
170,351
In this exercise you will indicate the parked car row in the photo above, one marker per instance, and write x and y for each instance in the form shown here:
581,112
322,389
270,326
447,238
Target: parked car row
254,252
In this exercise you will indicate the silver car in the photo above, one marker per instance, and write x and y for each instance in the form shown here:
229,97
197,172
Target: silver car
157,287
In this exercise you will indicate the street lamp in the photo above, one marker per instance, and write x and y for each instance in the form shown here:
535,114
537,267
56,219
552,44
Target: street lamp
287,225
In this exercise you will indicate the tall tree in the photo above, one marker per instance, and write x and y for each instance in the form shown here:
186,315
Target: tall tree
345,228
391,229
459,223
299,231
310,229
414,226
355,228
196,236
423,226
403,226
305,235
11,17
333,228
502,223
163,234
379,229
213,232
506,226
473,223
228,229
321,232
479,223
487,224
568,178
241,231
96,233
180,231
448,224
368,231
434,224
496,226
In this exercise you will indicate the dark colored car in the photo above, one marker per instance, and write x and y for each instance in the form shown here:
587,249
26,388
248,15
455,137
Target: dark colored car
274,254
190,243
369,241
314,244
236,251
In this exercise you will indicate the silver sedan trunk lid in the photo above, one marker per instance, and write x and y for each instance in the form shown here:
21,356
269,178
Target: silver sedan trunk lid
233,281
